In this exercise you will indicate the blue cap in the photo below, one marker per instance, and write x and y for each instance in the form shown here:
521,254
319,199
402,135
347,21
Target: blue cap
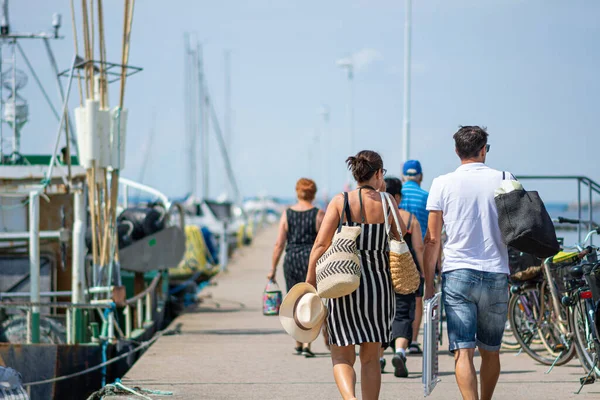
412,168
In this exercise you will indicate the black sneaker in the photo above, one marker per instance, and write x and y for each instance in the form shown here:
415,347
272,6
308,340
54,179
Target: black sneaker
382,364
307,353
298,350
415,348
399,363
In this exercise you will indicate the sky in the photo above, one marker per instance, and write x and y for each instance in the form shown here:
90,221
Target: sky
528,70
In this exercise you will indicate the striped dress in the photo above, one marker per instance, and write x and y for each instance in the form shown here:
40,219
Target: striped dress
302,232
366,315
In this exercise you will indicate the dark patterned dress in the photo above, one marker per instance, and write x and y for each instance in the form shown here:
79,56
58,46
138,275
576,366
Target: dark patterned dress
302,232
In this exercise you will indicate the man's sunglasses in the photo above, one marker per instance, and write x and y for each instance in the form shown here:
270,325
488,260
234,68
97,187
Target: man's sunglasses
487,148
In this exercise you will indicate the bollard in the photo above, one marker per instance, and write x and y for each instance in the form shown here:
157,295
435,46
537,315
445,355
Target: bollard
139,313
111,326
223,257
68,312
148,308
127,313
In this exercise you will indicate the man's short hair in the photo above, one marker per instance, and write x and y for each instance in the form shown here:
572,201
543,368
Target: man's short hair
393,186
469,140
414,178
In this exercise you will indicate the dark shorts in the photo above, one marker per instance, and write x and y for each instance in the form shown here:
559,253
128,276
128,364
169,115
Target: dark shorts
421,289
404,317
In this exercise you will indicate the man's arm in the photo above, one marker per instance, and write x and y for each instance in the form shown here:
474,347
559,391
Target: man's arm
432,250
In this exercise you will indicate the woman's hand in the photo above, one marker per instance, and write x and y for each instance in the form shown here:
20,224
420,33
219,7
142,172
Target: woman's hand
271,275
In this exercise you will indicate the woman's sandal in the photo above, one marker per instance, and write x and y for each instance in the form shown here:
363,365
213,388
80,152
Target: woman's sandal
307,353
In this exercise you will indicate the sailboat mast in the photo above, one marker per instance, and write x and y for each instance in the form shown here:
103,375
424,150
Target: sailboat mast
204,116
190,115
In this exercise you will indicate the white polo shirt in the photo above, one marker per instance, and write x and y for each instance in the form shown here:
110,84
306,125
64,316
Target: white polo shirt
466,199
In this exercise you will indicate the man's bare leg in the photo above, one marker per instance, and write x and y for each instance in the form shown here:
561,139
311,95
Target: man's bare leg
466,376
489,373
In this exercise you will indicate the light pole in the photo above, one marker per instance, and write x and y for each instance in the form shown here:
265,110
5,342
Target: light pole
407,66
348,64
325,152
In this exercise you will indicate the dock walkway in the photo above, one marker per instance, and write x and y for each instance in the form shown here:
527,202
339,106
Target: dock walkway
229,350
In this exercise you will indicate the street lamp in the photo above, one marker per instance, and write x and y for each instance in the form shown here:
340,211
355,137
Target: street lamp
406,119
325,153
348,64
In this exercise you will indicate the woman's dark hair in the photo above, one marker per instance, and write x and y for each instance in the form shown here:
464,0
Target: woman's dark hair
364,165
469,140
393,186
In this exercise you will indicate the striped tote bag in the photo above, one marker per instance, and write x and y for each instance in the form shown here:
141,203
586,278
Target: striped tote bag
338,269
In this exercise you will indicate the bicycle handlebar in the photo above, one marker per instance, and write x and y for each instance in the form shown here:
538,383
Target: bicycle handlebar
563,220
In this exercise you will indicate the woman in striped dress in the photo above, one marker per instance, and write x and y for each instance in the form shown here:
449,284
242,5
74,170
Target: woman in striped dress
365,316
298,229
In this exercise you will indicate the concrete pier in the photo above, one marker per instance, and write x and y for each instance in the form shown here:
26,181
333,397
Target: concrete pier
229,350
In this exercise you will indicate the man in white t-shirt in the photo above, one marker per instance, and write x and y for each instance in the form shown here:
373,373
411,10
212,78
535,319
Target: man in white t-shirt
475,268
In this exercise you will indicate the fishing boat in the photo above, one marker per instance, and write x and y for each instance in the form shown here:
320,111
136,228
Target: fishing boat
83,274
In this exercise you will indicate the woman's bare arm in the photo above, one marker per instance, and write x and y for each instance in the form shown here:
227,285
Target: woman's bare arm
320,217
417,242
327,229
279,246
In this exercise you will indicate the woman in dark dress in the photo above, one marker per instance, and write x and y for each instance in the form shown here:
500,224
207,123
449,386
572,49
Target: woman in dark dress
406,304
298,229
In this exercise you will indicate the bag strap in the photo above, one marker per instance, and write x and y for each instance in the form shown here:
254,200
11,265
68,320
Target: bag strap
345,210
395,214
362,212
385,213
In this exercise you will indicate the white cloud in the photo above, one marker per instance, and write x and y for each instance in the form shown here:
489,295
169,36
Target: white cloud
362,58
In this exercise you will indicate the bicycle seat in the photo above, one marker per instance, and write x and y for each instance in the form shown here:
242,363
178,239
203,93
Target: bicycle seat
576,271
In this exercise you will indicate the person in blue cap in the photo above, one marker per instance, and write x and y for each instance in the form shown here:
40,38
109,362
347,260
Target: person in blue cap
414,200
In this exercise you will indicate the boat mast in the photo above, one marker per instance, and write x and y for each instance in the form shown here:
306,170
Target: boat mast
204,131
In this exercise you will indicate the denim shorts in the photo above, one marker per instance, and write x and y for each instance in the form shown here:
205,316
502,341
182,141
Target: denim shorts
476,305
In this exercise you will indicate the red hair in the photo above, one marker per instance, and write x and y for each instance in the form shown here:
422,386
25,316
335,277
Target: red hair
306,189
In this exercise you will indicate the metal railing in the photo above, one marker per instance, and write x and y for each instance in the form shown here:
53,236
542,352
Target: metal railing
141,304
592,187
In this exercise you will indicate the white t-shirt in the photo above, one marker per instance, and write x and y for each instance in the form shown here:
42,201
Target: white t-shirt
466,199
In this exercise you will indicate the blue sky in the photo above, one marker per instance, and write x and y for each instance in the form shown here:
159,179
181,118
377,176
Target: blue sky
526,69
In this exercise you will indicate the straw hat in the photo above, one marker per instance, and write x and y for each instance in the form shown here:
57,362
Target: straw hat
302,313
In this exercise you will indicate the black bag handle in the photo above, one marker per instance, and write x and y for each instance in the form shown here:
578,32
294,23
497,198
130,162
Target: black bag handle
346,210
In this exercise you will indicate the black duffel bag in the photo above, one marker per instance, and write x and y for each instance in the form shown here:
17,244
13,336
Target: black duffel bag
525,223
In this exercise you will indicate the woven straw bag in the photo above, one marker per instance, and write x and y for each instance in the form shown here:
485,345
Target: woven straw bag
405,276
338,269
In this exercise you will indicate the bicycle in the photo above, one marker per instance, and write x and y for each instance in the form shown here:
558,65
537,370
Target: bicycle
584,309
541,323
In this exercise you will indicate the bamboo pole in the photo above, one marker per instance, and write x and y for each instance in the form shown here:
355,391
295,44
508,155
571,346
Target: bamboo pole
102,45
127,24
124,52
89,68
74,23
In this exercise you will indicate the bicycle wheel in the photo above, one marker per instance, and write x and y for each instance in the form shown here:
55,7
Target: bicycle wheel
535,330
509,341
586,340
